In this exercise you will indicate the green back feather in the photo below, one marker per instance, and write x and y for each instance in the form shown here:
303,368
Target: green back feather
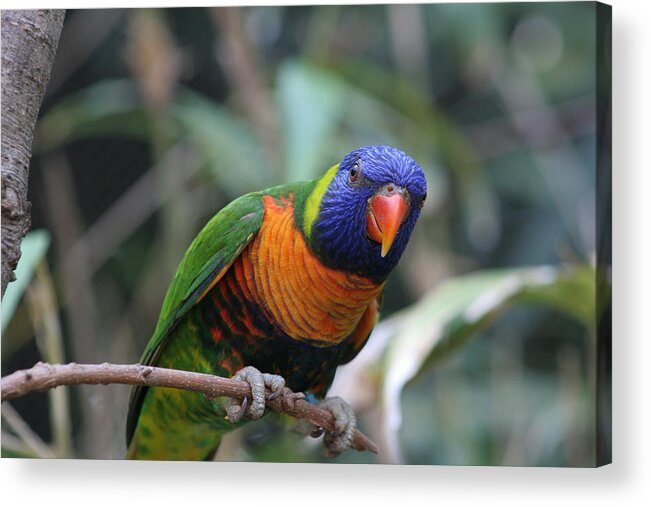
209,256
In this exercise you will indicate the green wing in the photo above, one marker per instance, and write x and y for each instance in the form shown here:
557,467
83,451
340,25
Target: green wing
207,259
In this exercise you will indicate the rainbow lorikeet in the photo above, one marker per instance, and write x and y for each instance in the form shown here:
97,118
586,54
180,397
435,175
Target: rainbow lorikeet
286,281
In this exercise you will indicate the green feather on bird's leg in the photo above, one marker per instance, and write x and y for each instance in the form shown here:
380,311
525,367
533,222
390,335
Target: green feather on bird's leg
280,287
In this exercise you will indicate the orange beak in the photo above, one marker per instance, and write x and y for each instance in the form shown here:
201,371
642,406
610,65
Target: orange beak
386,212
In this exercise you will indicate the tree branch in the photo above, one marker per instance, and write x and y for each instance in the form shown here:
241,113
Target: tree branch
44,376
29,42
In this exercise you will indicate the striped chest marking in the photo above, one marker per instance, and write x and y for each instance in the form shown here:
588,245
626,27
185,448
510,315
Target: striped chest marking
307,300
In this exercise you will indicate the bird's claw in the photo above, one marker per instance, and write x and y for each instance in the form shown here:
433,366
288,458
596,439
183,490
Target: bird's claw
341,437
236,412
258,381
275,392
317,431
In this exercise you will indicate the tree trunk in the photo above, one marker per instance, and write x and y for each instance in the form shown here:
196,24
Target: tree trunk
29,42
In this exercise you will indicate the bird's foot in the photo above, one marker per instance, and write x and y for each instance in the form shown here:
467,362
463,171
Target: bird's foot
339,440
258,381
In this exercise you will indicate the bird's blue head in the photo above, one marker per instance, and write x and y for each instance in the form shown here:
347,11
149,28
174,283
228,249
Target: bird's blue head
361,213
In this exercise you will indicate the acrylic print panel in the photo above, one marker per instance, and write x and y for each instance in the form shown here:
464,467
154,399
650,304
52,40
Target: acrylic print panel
493,340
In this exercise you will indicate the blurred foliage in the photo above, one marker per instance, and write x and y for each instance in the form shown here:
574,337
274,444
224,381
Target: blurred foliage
33,249
155,119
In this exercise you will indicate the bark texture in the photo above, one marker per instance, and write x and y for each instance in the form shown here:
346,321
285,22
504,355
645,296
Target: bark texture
29,42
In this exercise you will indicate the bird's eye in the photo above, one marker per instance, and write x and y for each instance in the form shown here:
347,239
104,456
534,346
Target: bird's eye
353,176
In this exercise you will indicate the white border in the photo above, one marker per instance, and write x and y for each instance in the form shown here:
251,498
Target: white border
626,482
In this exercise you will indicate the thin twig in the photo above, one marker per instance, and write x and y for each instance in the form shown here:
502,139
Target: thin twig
45,376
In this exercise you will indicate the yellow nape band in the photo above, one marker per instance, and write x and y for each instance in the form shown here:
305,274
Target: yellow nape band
313,203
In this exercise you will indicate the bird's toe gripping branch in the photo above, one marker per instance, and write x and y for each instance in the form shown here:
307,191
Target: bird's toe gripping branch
341,438
258,382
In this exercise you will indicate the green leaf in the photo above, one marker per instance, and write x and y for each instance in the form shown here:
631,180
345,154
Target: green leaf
416,338
115,108
449,315
111,107
226,143
33,249
311,103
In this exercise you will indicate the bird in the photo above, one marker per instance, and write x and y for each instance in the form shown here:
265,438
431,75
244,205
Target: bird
278,289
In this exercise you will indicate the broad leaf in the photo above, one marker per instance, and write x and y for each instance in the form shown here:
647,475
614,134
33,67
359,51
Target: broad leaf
33,249
311,104
110,107
226,143
443,320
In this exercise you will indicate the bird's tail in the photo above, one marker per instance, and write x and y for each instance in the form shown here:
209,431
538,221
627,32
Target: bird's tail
175,451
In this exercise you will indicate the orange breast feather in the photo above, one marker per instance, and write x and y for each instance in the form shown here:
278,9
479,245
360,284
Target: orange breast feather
306,299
